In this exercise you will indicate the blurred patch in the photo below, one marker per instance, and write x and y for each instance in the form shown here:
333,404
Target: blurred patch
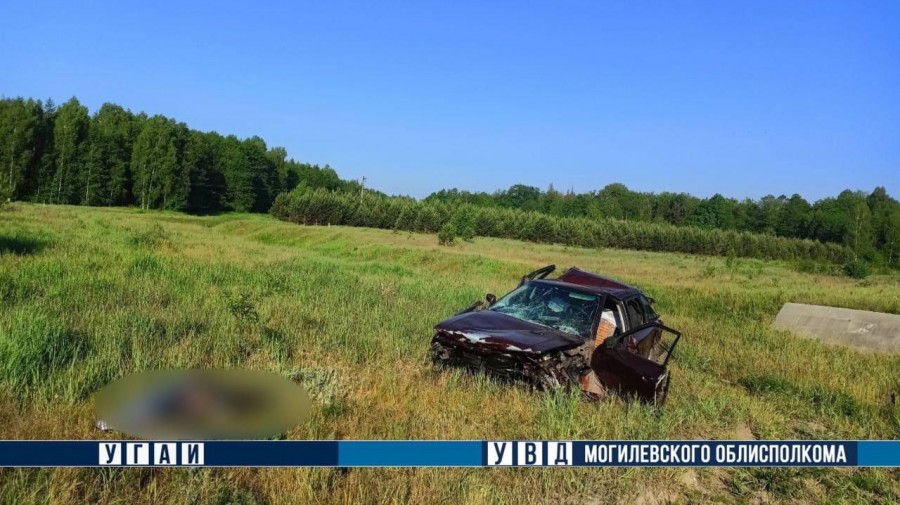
202,404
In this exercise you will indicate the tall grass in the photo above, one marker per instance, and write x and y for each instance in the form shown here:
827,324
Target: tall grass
349,312
35,349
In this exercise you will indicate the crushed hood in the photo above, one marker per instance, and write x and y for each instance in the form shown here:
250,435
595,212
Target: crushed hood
497,331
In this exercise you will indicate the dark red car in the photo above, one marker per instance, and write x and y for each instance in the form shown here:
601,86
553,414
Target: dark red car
578,329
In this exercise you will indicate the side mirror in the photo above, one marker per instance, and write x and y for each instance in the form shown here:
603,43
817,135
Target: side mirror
491,299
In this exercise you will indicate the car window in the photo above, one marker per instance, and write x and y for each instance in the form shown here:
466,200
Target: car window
649,313
567,310
635,312
618,314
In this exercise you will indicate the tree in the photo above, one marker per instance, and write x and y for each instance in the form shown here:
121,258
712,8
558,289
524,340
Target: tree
846,220
553,202
262,173
768,213
678,208
108,180
716,212
521,197
5,191
794,218
19,119
882,207
207,184
277,156
70,132
237,174
41,185
858,234
158,178
610,201
326,177
892,237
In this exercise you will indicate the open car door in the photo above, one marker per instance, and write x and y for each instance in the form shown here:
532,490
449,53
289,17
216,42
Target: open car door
621,369
540,273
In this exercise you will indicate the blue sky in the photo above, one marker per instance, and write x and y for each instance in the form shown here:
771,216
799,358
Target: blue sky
740,98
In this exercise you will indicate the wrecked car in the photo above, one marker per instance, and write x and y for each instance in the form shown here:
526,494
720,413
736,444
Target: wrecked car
577,330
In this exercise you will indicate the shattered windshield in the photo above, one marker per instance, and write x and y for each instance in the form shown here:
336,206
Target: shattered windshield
565,309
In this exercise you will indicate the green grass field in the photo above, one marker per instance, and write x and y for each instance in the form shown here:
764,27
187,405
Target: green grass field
88,295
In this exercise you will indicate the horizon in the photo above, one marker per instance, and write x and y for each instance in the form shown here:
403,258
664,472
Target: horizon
714,99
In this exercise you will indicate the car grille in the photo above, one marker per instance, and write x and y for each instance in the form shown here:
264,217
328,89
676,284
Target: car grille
496,363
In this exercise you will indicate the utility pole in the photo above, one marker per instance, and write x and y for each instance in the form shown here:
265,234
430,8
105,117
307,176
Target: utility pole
362,187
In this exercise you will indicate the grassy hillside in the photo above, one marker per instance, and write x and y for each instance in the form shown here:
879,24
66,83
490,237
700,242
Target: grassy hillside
87,295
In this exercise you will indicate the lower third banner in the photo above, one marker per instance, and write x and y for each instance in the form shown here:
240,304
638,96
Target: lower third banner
445,453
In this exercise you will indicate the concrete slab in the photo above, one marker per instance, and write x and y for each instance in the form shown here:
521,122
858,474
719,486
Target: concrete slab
864,330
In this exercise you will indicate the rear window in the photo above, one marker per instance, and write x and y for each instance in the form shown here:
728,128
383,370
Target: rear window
635,312
649,313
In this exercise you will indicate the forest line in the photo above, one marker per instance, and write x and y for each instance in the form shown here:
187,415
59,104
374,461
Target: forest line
115,157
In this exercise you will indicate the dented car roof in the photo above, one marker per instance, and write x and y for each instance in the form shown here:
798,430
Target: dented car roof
595,283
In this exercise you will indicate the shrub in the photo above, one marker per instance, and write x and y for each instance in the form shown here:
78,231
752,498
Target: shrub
447,234
464,224
467,220
730,258
242,307
467,233
808,266
857,269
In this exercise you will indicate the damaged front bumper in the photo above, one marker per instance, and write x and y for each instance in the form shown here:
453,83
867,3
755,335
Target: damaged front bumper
562,369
